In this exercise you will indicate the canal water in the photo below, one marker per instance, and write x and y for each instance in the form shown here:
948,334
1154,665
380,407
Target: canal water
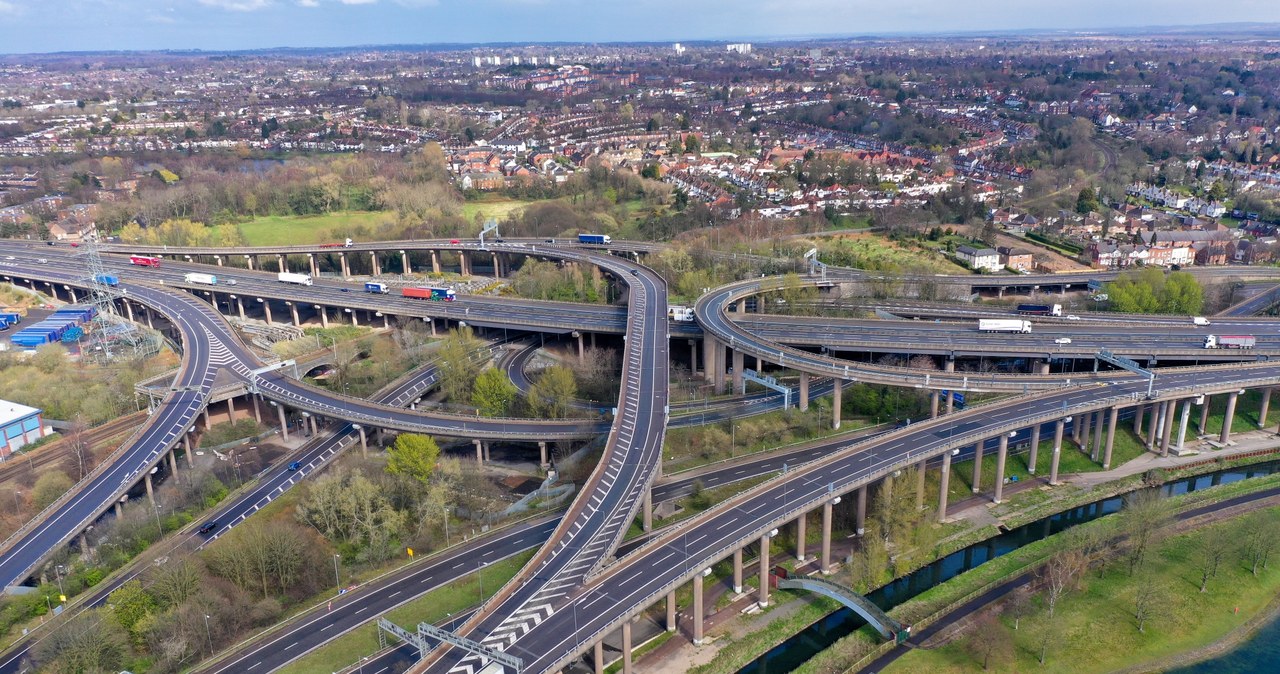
1259,655
817,637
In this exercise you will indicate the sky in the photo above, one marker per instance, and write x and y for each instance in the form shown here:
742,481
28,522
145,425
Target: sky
36,26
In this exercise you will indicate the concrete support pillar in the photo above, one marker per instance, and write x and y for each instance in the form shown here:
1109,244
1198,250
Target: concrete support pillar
626,647
497,266
836,393
204,414
119,510
977,466
324,316
231,410
1152,426
671,611
598,657
251,260
1002,454
825,561
738,384
1229,417
801,521
860,514
737,571
266,309
697,610
1076,426
240,307
1265,407
1111,437
149,323
479,451
364,442
375,266
311,263
464,263
435,262
1204,415
943,484
72,293
217,259
718,350
315,427
951,401
1086,430
282,262
1166,437
151,495
804,392
173,463
128,310
1035,449
1182,426
257,409
1043,367
933,405
764,569
693,357
186,449
487,447
404,262
542,454
582,352
1057,451
1137,419
293,308
346,268
284,424
646,518
1097,435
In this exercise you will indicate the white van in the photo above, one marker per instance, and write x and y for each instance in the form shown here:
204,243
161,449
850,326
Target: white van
1199,320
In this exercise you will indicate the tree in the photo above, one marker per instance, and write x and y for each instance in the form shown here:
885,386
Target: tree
1182,294
175,582
460,363
1213,545
989,640
691,144
88,642
1257,535
1060,574
1087,201
627,111
551,395
79,457
48,488
1142,520
130,603
413,456
493,393
1149,598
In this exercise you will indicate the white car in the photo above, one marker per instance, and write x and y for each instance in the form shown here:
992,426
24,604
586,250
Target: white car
229,282
1072,317
10,257
1062,340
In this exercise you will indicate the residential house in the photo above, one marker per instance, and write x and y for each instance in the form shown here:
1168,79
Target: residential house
1016,259
979,258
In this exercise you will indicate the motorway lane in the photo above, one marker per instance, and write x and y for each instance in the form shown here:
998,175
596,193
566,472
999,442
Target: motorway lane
612,496
176,412
638,580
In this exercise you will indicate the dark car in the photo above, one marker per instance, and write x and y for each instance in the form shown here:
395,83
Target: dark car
635,272
295,465
50,243
345,290
208,528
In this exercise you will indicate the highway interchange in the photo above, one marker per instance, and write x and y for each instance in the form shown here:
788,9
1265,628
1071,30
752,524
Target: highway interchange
572,579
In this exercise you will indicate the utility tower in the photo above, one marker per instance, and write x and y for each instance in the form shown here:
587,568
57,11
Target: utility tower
110,337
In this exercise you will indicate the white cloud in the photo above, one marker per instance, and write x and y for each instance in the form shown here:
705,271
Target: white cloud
7,7
357,2
235,5
308,3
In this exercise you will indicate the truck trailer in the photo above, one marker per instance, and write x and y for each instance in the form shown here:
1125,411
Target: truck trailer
598,239
377,288
434,294
206,279
1040,309
1230,342
1004,325
290,277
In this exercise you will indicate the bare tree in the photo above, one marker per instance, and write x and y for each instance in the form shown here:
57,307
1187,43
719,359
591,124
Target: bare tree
1257,537
1212,546
80,454
1149,598
989,640
1060,575
1143,518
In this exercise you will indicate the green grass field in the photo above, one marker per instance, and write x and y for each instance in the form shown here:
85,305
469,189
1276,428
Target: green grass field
1097,629
280,230
497,208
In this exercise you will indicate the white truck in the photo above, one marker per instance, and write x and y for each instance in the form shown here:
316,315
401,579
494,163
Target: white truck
206,279
680,313
1230,342
288,277
1004,325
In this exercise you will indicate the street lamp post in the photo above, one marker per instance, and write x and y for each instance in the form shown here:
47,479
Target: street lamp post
159,526
480,577
337,580
61,571
209,634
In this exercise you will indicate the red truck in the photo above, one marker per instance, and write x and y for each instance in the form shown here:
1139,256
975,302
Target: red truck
436,294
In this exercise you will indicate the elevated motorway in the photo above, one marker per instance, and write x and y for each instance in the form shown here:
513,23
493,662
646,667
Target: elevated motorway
609,601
